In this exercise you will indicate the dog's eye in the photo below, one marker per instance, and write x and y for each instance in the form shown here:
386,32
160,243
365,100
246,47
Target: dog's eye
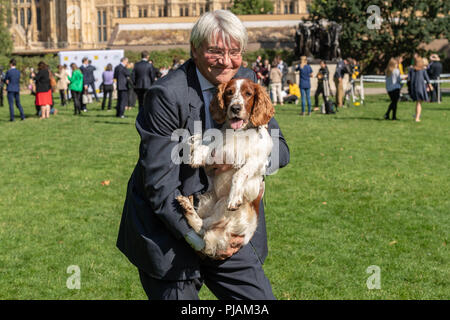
229,92
248,94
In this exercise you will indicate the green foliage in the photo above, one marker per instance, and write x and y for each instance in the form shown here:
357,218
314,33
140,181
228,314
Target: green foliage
242,7
6,44
160,58
405,25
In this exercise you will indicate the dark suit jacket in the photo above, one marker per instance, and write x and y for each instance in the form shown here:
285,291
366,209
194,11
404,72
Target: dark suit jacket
434,70
13,75
88,74
121,74
153,226
143,75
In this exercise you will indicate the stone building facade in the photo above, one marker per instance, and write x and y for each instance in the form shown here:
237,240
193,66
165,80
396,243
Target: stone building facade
53,25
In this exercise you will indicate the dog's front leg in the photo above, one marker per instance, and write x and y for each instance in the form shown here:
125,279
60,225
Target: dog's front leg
198,152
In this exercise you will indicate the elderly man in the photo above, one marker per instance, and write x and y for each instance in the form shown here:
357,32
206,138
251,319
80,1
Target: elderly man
121,75
434,71
154,233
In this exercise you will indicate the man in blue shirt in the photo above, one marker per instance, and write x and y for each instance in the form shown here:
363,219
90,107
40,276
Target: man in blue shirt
12,79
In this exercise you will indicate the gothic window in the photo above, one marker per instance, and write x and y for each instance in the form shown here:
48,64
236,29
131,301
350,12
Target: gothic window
29,16
38,19
22,17
102,27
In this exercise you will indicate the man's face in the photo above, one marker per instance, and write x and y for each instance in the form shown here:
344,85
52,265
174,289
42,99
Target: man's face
218,62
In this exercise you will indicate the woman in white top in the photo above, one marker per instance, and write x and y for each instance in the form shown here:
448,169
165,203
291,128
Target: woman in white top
393,86
63,83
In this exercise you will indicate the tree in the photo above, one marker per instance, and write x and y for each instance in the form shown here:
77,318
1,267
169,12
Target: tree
404,25
6,44
252,7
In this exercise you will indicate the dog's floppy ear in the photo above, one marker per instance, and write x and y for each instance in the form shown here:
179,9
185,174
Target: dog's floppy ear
263,109
217,105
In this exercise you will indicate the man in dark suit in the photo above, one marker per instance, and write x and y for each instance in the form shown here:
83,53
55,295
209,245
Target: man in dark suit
434,71
88,77
12,79
153,232
143,76
121,75
2,83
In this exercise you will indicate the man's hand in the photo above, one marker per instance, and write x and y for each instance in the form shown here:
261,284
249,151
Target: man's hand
235,244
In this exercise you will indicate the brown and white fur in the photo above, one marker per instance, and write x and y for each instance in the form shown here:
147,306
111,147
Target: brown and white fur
230,207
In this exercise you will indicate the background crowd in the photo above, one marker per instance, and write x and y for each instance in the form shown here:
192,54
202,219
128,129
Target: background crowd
418,76
128,83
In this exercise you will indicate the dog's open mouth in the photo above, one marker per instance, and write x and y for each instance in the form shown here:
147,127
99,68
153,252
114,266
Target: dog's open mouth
236,123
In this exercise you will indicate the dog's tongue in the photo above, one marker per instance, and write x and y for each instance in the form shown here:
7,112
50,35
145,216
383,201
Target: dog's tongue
236,123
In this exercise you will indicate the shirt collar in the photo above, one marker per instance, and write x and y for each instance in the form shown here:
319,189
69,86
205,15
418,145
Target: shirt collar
205,85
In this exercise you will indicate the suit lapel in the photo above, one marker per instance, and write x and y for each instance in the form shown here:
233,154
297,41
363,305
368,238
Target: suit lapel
195,96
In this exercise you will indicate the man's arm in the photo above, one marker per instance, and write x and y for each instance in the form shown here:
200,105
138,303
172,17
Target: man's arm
160,174
152,74
280,155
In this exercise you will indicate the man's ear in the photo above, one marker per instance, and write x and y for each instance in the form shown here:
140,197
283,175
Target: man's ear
193,52
217,106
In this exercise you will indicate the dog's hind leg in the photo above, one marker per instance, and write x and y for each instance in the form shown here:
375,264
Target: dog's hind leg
191,215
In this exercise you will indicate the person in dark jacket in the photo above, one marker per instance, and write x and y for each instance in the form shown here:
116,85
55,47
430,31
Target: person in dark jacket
434,71
143,76
88,77
2,83
154,234
322,81
121,75
12,79
44,97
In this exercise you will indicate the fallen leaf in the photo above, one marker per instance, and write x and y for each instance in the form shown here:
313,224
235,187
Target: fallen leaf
324,202
106,183
393,242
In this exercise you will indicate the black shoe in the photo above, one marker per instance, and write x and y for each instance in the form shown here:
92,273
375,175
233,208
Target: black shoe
395,119
386,117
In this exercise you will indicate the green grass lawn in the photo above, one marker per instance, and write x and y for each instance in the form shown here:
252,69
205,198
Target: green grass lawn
359,191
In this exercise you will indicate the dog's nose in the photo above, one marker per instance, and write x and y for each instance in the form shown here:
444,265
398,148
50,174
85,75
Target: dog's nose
235,108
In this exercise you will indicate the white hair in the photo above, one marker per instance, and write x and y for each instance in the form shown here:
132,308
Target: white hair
217,23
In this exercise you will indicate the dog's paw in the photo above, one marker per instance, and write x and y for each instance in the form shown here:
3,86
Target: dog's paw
194,140
234,203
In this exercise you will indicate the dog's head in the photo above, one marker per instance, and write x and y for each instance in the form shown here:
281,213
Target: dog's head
241,104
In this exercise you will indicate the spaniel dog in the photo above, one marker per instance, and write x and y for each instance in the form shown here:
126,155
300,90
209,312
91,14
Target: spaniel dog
230,208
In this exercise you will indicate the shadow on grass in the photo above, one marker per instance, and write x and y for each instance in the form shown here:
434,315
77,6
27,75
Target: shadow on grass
437,107
110,122
360,118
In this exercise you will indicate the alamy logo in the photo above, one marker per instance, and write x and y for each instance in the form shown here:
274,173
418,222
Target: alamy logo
74,281
374,281
214,138
374,21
